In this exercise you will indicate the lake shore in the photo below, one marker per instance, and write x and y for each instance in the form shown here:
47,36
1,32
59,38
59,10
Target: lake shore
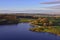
46,25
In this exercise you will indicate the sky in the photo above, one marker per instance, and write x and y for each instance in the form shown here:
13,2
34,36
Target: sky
30,5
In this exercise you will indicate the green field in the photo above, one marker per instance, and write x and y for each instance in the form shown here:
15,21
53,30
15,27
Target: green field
25,20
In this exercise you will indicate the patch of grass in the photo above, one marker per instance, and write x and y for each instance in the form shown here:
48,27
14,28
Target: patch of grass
57,27
25,20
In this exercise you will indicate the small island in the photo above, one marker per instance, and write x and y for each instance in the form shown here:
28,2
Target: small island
46,24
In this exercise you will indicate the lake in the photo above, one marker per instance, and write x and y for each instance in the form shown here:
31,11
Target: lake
21,32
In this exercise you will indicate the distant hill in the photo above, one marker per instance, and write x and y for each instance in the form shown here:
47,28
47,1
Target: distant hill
37,14
28,12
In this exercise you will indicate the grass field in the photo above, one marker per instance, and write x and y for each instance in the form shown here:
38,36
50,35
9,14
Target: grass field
25,20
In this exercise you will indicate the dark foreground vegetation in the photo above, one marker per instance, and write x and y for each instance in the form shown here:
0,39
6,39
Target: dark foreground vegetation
8,19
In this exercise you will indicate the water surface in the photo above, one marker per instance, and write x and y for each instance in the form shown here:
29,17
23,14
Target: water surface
21,32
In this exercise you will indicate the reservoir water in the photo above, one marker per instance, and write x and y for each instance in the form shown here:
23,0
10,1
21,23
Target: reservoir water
21,32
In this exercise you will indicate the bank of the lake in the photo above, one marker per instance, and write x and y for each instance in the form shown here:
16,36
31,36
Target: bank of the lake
46,25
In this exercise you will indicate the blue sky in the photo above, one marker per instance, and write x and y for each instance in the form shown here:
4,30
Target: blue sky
19,5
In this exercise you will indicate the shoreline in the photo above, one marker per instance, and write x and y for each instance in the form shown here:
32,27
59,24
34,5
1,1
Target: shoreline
50,29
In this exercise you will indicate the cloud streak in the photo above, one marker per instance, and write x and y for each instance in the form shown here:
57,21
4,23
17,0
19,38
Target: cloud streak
56,2
53,2
55,7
